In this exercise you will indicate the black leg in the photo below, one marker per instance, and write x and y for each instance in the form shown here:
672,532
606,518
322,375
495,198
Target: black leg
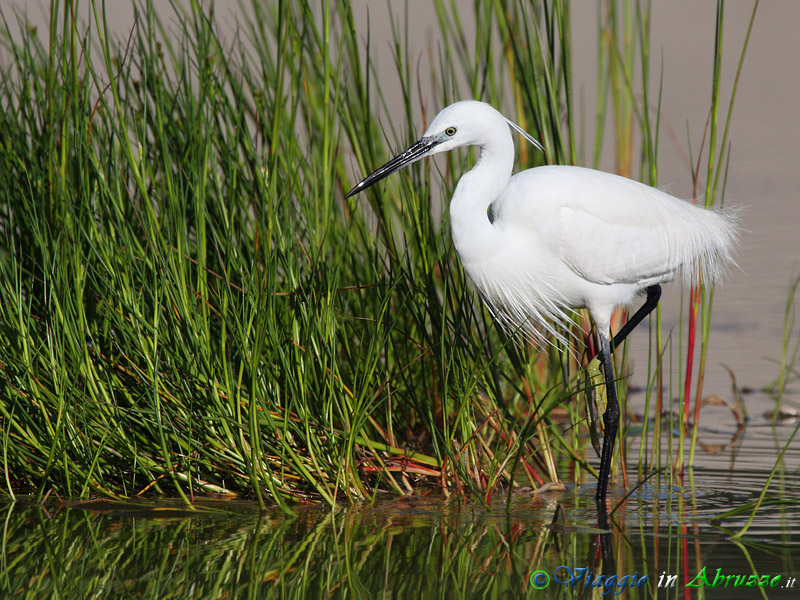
610,420
611,416
653,296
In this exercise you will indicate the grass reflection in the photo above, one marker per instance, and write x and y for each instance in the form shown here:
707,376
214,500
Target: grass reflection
410,548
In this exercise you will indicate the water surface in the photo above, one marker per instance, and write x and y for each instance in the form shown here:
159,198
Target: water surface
416,547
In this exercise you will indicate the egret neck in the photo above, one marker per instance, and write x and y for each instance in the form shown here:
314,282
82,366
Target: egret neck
476,238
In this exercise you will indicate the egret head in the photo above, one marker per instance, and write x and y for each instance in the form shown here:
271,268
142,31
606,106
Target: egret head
465,123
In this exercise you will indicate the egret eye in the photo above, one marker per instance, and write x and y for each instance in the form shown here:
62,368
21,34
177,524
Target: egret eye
450,131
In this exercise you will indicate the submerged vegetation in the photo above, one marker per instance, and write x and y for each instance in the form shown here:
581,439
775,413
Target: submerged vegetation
189,305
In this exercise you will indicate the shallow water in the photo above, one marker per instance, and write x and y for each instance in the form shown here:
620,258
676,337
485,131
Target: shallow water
416,547
436,547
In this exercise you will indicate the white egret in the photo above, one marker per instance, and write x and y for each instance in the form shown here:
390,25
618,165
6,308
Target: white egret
553,239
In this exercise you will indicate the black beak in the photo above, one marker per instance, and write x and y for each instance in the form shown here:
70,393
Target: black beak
414,153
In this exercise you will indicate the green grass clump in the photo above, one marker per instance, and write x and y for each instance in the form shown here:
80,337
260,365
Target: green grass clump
188,304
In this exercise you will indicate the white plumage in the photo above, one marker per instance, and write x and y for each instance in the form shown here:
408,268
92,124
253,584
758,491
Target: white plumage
568,237
557,238
563,237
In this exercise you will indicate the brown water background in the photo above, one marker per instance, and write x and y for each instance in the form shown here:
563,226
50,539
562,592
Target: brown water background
427,547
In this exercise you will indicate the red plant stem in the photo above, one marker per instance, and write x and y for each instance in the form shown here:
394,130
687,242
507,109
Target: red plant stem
701,372
694,300
685,561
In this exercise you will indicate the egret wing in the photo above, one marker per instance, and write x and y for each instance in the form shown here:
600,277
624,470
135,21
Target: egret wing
602,250
610,229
